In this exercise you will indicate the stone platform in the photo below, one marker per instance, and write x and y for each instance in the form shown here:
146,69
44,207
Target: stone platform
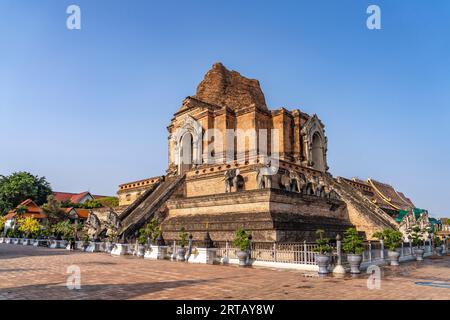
269,214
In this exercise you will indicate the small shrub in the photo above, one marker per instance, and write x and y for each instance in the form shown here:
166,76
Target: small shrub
353,243
415,234
392,238
29,226
241,239
183,237
323,246
151,230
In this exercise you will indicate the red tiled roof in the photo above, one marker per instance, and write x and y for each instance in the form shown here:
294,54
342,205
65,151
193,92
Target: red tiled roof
77,198
32,207
33,210
62,196
26,215
26,202
9,215
82,213
72,197
34,215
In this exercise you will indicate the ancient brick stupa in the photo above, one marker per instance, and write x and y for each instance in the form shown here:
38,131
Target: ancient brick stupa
220,182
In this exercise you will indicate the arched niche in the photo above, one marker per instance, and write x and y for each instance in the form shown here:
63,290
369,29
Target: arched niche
314,144
317,152
188,144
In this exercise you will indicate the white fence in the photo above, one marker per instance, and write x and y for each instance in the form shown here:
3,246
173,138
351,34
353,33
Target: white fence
298,255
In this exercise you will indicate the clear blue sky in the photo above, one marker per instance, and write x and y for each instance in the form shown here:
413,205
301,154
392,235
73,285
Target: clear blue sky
88,109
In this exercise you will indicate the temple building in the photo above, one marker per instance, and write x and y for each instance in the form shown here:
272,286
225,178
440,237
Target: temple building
234,162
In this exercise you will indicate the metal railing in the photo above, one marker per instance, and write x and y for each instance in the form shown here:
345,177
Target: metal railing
298,253
290,253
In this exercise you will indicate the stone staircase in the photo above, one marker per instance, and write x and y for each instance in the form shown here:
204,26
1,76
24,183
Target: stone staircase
145,207
361,202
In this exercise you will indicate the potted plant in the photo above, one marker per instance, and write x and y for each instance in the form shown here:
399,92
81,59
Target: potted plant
2,228
353,245
437,244
112,235
242,242
415,235
322,252
9,235
142,240
85,242
151,231
183,242
392,241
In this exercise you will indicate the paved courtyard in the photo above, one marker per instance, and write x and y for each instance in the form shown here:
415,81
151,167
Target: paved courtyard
40,273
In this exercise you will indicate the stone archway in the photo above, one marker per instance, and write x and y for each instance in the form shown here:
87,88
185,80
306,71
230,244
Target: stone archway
188,145
314,144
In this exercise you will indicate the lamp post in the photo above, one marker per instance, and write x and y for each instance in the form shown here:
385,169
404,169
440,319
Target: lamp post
444,249
339,268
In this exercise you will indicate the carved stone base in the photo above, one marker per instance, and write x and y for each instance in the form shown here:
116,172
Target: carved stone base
119,249
156,253
79,245
203,255
94,247
58,244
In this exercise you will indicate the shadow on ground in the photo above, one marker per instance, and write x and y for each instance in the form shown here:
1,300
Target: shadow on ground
9,251
59,291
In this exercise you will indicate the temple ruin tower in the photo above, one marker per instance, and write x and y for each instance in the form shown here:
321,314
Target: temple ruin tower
233,162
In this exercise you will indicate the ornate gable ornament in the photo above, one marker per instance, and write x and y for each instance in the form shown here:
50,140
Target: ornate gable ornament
314,127
193,127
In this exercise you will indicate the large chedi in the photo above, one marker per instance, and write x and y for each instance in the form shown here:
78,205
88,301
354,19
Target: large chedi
233,162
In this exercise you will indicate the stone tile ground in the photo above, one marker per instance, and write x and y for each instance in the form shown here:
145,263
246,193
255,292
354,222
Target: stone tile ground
40,273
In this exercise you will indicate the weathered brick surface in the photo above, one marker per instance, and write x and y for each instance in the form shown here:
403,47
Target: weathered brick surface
40,273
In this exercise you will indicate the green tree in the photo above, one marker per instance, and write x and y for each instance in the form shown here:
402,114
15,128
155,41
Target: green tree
20,186
92,204
54,211
353,243
415,234
65,229
241,239
108,201
323,246
21,210
183,237
151,231
392,238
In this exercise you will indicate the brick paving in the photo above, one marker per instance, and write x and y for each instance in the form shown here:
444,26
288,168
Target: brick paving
40,273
